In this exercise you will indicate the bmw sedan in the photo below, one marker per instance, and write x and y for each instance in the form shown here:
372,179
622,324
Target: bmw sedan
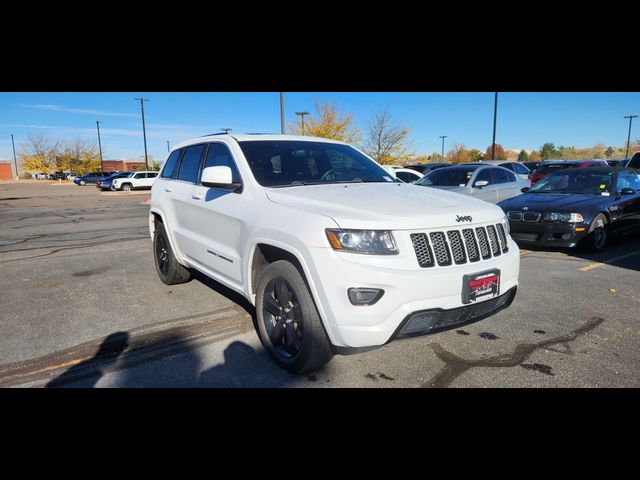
578,206
488,183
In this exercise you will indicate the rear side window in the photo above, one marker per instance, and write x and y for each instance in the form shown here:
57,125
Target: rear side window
502,176
406,177
220,156
190,165
518,168
169,169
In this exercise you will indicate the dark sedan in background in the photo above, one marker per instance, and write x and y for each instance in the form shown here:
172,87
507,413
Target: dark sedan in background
90,178
425,168
576,206
107,182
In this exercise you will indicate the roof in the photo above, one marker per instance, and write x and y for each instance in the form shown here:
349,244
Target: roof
245,137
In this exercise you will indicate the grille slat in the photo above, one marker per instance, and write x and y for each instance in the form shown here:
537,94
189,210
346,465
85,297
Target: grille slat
422,249
457,250
503,238
493,238
459,246
472,245
440,248
483,242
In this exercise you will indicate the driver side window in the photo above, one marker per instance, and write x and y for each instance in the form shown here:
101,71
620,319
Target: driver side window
484,174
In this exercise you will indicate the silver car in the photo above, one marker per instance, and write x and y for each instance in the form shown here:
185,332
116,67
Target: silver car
516,167
488,183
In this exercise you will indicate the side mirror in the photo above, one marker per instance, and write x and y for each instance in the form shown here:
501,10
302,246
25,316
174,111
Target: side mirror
627,191
525,189
481,183
219,177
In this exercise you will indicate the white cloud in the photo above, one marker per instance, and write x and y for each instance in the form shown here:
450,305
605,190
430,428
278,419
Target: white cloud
84,111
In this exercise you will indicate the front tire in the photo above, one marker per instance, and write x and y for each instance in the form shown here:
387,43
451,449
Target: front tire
126,187
169,269
289,325
598,236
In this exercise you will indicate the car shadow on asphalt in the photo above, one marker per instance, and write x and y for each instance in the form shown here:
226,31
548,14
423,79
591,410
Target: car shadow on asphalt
621,252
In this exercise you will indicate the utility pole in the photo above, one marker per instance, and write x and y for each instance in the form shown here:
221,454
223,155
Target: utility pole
302,114
630,117
15,162
443,137
144,131
282,113
495,116
100,145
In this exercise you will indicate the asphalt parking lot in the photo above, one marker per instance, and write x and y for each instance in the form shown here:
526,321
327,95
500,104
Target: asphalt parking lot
81,305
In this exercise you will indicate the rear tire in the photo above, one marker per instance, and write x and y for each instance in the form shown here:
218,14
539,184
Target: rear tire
285,310
169,269
598,236
83,183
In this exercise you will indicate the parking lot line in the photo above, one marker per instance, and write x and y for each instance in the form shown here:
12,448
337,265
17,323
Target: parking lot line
591,266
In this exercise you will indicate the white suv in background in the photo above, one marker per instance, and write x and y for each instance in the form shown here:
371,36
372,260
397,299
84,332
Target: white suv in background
135,181
336,256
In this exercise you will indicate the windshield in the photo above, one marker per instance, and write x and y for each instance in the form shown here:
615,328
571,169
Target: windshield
575,181
285,163
122,175
449,177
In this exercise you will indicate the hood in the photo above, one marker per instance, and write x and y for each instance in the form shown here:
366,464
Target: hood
387,206
547,202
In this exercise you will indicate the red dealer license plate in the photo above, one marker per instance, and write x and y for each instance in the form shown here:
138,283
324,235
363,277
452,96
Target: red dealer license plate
477,287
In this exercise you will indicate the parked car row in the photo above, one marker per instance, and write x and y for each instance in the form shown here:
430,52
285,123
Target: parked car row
125,181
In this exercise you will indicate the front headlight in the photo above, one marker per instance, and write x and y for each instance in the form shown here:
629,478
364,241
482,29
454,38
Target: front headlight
371,242
564,217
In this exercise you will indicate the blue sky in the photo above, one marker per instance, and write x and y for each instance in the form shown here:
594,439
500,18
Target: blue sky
525,120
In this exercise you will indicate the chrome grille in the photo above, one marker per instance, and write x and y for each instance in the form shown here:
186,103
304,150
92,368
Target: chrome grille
459,246
440,248
503,238
531,216
472,245
457,250
422,249
493,238
515,216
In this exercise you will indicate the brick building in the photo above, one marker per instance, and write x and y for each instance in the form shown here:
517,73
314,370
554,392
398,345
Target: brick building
125,165
6,171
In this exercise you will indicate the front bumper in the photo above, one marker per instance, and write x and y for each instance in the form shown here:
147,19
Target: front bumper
547,234
406,292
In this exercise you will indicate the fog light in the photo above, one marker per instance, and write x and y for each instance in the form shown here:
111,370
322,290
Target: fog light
566,236
364,296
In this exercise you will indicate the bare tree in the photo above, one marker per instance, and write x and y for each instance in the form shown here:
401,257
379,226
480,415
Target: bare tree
38,153
387,143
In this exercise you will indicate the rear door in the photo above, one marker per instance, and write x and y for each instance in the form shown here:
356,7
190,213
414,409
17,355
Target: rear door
506,183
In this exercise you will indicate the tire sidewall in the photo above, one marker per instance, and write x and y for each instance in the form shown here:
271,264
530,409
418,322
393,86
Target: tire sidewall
170,257
592,235
126,187
285,270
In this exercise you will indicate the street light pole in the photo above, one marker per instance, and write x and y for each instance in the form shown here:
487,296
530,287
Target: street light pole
100,145
302,114
282,113
144,131
495,115
167,146
443,137
15,162
630,117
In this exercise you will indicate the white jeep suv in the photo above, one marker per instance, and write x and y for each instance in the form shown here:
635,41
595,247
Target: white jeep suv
134,181
336,256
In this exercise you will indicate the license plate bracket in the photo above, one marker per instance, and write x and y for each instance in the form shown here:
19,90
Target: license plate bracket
481,286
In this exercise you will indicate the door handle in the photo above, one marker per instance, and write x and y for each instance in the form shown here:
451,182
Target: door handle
168,189
196,196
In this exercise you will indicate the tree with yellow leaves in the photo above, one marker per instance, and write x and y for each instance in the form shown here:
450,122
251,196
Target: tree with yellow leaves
387,143
38,154
328,123
79,156
458,154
